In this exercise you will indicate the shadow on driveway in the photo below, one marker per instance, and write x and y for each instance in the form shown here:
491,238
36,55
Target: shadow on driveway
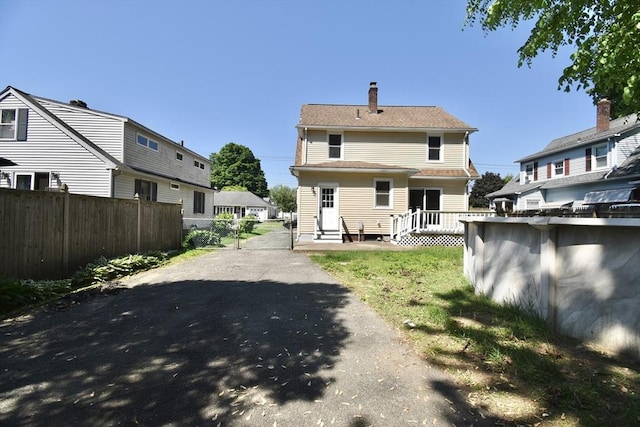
274,341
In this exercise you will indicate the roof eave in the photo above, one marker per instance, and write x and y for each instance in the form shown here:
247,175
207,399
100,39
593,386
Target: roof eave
384,128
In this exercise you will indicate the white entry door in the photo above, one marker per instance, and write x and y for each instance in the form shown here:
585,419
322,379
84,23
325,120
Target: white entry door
328,205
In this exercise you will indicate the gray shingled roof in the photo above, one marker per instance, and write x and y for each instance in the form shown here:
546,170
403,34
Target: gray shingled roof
238,198
391,117
585,137
630,168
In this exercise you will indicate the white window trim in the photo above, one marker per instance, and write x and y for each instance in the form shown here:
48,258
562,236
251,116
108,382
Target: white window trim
14,124
532,200
529,175
375,194
138,134
181,158
594,158
441,136
341,146
174,186
553,168
17,174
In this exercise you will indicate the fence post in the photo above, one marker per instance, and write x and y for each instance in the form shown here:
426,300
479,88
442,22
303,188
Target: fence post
65,232
139,225
291,230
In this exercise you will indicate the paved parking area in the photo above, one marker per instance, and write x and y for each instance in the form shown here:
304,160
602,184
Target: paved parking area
230,338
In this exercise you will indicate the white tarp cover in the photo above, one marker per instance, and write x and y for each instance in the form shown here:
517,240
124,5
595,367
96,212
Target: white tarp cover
608,196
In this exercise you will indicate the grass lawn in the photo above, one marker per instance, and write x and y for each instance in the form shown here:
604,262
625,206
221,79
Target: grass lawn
503,360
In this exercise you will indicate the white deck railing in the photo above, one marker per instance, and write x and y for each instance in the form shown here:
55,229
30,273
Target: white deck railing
436,222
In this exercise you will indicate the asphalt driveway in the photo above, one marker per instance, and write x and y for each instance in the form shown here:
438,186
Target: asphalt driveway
231,338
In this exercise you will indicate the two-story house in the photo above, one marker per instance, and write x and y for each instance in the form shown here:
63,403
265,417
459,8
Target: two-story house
599,165
52,144
360,166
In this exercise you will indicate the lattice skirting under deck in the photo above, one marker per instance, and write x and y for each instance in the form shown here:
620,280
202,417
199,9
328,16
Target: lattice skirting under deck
416,239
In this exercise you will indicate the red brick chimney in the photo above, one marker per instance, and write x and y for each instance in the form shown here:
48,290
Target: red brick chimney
604,115
373,98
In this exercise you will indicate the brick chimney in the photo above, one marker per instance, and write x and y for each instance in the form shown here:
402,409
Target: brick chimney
373,98
604,115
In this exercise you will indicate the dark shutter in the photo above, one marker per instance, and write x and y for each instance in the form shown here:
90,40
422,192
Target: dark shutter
154,191
587,159
23,118
548,170
535,171
566,167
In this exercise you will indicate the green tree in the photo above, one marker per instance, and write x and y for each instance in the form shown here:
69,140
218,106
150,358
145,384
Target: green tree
488,183
284,197
235,165
604,33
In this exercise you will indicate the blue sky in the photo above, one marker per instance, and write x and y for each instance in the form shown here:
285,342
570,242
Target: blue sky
219,71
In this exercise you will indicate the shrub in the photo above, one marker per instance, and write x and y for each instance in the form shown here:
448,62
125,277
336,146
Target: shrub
247,223
200,238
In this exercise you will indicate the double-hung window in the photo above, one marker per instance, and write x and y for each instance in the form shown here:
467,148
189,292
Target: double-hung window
600,156
335,146
13,124
434,148
198,202
383,197
558,168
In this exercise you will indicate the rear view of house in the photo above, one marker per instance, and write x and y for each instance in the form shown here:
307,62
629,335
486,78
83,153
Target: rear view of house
53,145
360,167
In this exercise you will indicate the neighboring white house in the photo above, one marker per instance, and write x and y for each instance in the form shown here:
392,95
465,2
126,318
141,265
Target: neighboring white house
600,165
52,144
243,203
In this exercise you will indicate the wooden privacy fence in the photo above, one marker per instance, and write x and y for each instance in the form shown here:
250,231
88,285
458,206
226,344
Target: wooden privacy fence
49,235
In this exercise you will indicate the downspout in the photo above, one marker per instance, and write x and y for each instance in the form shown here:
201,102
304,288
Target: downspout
465,162
305,142
465,153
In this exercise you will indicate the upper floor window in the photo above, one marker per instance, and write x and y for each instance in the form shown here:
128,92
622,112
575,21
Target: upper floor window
13,124
383,194
558,168
335,146
198,164
179,156
174,186
150,143
434,148
600,156
528,172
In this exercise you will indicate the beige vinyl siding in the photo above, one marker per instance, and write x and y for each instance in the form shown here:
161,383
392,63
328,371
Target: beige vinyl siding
405,149
164,160
453,197
104,131
48,149
355,200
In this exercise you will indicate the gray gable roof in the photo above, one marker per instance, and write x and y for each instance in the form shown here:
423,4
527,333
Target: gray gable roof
388,117
239,198
586,137
630,168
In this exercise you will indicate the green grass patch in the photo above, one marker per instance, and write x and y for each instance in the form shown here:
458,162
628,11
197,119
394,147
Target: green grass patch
504,358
